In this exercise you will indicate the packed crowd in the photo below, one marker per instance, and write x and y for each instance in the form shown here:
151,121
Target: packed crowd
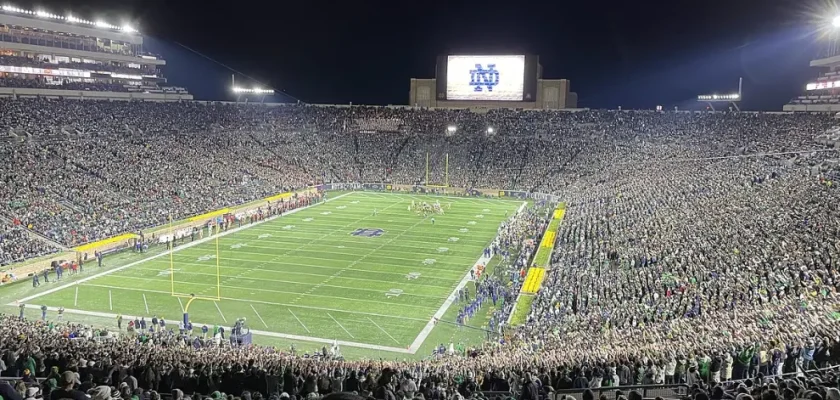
41,83
696,247
21,61
16,245
117,166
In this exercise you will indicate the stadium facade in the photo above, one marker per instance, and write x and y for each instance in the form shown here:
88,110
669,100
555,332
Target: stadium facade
491,81
50,55
822,94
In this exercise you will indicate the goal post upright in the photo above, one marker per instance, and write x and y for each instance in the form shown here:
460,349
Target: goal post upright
171,257
446,180
427,168
218,270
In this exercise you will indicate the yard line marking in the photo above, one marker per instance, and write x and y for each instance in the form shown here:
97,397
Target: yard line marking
216,303
110,302
297,293
76,297
299,248
383,331
427,330
389,266
261,302
111,316
298,320
329,234
360,259
166,253
287,272
342,326
179,302
258,315
146,303
321,251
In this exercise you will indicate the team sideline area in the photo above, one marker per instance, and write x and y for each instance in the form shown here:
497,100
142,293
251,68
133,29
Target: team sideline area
330,271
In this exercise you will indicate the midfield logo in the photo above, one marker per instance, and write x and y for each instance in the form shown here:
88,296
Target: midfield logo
368,232
484,78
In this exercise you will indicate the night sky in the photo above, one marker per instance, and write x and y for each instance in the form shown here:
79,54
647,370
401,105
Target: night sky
635,54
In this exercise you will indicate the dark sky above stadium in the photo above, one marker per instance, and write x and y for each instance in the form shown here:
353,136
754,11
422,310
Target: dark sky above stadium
634,54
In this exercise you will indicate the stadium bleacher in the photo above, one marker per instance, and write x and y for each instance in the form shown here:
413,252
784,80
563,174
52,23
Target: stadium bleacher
698,248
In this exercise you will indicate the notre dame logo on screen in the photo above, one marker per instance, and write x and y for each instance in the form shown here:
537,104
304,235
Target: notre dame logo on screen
481,78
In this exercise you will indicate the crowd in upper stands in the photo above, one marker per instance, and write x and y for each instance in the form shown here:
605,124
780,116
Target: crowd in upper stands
22,61
87,170
42,83
696,247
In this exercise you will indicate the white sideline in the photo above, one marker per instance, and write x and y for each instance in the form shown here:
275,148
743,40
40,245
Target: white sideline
254,331
427,330
184,247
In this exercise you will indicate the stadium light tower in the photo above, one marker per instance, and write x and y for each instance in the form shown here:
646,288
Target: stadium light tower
451,129
248,93
732,98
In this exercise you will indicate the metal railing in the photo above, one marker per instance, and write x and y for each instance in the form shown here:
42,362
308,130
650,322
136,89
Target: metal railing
647,391
671,391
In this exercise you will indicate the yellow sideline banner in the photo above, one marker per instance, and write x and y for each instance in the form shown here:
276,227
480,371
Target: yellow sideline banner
548,239
542,259
533,280
209,215
280,196
539,266
105,242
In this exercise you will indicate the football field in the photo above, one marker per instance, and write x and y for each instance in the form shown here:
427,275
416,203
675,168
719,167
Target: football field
360,268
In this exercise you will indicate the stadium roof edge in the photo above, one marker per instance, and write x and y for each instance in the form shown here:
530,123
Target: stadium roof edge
826,62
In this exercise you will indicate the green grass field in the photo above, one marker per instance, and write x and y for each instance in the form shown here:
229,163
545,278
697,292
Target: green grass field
306,276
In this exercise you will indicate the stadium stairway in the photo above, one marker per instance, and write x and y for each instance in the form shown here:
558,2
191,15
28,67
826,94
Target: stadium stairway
555,171
35,235
522,160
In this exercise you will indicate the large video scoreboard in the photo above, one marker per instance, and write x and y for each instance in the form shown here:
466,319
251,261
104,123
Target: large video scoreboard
487,78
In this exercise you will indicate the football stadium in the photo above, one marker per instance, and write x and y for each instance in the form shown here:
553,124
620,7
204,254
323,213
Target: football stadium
491,238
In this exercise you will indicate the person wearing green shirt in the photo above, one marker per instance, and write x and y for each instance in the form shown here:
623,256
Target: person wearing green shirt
703,366
742,362
30,364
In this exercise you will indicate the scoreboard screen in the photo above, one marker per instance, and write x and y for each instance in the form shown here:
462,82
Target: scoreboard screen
487,78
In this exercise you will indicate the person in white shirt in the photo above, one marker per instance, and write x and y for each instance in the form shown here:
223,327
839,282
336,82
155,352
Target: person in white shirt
670,366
